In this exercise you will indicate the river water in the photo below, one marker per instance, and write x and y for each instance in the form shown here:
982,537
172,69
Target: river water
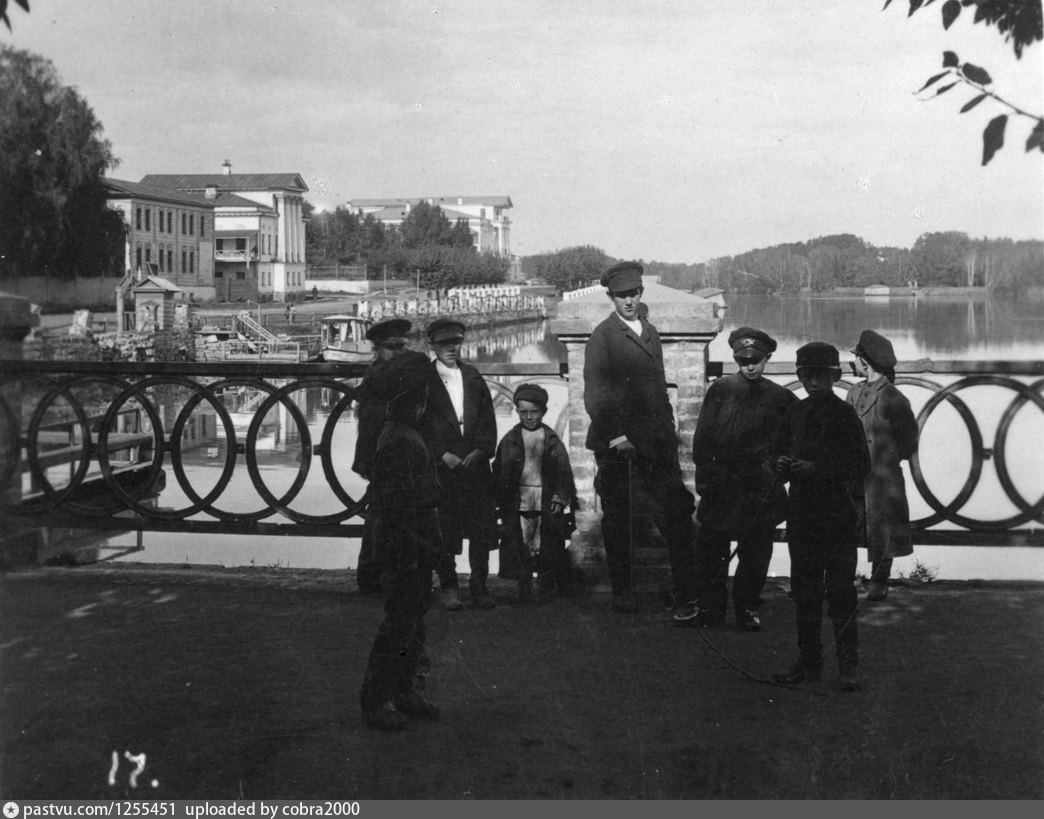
939,328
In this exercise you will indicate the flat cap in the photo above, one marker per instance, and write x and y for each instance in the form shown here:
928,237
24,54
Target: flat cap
622,276
404,376
444,329
389,328
533,393
747,343
818,354
876,349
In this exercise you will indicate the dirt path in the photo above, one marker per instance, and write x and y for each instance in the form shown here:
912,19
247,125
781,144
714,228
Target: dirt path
243,683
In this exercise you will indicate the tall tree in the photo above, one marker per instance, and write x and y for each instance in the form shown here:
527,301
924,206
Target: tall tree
54,219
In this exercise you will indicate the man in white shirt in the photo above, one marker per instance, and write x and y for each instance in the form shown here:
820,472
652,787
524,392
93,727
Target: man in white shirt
632,435
460,429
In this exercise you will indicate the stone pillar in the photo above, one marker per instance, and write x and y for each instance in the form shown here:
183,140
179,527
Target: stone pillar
687,324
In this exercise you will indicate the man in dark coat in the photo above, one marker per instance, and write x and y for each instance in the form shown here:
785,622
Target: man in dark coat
632,435
407,548
735,448
460,428
389,341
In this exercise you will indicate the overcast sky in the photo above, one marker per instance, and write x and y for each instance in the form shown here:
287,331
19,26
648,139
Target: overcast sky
670,130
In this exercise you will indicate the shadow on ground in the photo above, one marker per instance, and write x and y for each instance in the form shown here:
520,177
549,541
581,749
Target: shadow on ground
242,683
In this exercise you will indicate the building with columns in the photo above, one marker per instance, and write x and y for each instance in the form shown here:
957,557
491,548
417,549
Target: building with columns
486,216
259,230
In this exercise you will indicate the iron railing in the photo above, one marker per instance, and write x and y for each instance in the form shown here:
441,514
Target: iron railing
86,445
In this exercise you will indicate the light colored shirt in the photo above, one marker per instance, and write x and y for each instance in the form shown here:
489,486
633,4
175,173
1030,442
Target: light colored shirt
454,381
530,483
636,327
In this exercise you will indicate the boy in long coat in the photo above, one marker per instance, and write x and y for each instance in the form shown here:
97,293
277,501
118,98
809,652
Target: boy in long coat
389,341
735,447
825,460
406,549
891,434
534,486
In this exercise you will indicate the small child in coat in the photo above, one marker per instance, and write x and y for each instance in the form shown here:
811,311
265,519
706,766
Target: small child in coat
534,486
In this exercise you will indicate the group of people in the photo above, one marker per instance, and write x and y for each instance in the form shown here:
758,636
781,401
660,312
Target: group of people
828,466
427,444
754,441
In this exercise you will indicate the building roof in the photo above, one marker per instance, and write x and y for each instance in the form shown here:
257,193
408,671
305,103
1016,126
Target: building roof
232,200
227,182
156,283
121,189
441,201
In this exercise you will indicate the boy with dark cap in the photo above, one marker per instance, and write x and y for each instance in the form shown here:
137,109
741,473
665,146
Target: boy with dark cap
825,460
891,435
534,486
735,448
389,341
632,435
461,430
407,547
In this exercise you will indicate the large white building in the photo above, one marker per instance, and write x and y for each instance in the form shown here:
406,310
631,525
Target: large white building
259,230
486,216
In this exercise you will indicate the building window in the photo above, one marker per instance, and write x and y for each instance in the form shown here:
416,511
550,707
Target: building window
192,261
161,260
170,221
240,274
219,274
148,218
170,260
184,223
241,244
148,250
137,258
137,218
184,261
202,226
192,224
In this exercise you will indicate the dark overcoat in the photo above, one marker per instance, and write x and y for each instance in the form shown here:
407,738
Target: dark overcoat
625,390
825,506
556,477
440,425
735,448
891,436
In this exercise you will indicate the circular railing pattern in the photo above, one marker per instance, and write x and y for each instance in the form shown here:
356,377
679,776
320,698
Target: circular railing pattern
95,446
87,445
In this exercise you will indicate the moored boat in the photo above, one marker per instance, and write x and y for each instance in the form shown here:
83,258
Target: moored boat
343,338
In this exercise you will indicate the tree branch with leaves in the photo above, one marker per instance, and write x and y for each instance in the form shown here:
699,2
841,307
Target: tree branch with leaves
1019,21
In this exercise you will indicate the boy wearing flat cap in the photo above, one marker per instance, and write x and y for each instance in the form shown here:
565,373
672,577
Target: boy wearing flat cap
735,447
389,341
534,486
891,435
632,435
461,430
407,548
825,460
